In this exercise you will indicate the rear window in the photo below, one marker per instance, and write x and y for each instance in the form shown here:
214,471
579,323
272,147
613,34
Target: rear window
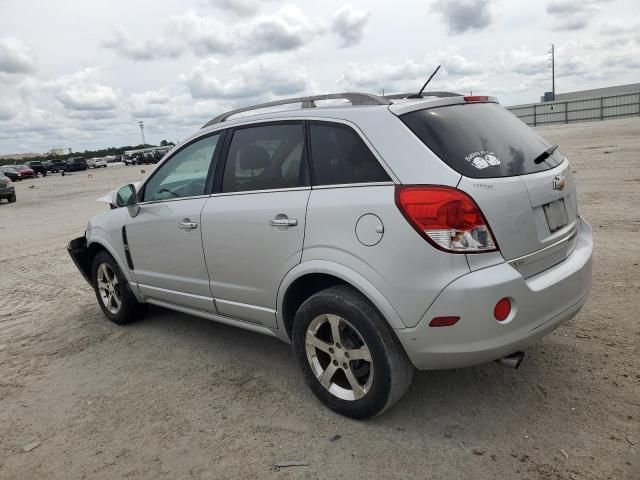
480,140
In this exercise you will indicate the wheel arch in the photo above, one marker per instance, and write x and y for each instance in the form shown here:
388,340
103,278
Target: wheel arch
99,239
310,277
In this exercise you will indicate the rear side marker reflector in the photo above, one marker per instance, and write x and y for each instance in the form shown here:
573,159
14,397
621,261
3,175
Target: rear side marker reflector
446,217
502,310
443,321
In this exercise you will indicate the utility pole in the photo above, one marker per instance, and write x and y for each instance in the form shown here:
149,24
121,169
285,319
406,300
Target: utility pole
141,125
553,71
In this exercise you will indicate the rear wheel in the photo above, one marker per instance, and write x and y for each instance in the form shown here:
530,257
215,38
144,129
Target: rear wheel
113,291
349,356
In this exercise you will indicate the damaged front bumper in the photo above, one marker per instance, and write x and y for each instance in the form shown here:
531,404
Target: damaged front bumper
79,253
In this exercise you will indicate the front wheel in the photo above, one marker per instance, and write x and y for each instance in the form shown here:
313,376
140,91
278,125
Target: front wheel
113,291
12,198
349,356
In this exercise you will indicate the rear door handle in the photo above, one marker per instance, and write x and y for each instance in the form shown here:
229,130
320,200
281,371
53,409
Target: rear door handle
187,225
283,222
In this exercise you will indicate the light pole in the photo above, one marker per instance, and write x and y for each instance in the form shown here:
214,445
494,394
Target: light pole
141,125
552,52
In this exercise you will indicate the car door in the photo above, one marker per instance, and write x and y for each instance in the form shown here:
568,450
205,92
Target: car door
253,226
165,237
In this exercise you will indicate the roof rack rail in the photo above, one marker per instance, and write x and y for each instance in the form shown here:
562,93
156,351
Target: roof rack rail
397,96
307,102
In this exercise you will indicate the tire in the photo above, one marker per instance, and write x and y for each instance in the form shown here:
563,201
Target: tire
11,198
382,373
118,291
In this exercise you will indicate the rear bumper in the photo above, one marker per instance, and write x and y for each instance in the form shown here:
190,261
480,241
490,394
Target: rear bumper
540,304
79,253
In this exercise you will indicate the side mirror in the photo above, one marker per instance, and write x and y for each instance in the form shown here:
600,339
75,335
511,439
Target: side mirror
126,196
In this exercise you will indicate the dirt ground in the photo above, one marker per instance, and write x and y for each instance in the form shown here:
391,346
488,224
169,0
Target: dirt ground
173,396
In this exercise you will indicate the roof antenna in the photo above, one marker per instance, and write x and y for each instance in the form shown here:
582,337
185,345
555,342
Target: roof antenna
419,94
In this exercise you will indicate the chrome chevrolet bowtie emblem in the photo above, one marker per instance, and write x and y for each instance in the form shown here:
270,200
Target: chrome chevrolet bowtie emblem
559,182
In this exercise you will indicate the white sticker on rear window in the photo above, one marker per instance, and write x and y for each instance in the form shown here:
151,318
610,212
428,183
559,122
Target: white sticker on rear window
483,159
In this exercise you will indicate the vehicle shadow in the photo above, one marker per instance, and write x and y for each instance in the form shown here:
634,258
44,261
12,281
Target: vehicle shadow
441,402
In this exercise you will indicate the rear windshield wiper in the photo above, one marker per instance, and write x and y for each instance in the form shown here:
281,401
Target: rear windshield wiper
544,155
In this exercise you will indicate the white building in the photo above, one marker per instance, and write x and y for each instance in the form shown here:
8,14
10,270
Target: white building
59,151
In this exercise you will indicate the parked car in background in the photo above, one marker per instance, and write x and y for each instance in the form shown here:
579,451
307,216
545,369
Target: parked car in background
96,163
130,160
76,164
7,190
56,165
25,171
432,232
11,172
38,167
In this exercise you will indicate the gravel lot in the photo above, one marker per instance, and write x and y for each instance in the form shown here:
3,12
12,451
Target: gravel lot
178,397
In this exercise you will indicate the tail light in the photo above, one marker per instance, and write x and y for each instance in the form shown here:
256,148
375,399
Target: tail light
446,217
476,98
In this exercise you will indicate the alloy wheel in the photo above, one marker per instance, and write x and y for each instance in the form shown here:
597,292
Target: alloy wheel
109,288
339,357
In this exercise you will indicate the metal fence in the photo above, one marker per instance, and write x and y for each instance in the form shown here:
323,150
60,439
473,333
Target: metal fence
579,109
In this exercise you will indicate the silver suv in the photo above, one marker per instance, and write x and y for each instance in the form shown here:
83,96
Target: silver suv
376,235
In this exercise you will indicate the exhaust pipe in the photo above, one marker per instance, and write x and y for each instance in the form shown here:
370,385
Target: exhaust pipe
512,361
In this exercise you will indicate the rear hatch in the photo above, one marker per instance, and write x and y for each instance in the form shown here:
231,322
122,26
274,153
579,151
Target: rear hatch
530,206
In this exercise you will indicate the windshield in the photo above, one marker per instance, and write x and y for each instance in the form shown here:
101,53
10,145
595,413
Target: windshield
481,140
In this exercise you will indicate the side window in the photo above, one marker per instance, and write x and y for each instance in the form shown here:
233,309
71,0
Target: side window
184,174
340,156
266,157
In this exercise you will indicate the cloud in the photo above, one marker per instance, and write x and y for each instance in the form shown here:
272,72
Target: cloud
573,15
152,103
237,7
524,62
348,23
259,78
410,74
203,35
288,29
8,110
619,28
83,91
125,45
465,15
15,56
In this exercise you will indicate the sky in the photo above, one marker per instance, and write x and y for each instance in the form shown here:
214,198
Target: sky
82,74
